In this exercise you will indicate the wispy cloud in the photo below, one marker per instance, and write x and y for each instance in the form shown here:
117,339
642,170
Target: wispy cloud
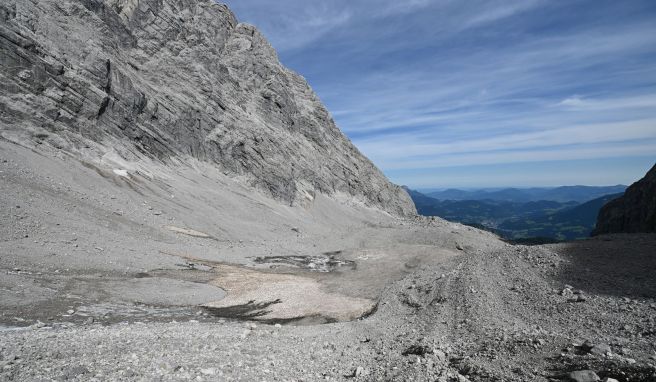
576,142
292,24
443,83
499,12
579,103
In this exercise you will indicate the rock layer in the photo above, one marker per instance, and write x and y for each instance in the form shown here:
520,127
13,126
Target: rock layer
633,212
165,80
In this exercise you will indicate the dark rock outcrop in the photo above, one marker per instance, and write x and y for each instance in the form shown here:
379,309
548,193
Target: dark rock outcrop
166,80
633,212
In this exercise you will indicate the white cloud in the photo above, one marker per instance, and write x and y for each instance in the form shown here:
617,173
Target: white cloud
499,12
577,142
292,24
574,101
590,104
526,156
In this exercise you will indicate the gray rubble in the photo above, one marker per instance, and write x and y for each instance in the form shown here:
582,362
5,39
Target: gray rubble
177,206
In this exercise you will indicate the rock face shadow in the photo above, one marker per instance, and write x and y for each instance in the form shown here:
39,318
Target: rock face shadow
619,265
248,311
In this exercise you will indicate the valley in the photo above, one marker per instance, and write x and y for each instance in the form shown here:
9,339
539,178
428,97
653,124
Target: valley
522,215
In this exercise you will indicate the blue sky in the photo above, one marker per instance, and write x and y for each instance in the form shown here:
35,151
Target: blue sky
468,93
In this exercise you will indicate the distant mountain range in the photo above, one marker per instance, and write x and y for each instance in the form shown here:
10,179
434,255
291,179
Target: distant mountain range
567,223
579,194
529,215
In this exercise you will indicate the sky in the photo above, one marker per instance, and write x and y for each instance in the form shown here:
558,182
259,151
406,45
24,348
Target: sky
479,93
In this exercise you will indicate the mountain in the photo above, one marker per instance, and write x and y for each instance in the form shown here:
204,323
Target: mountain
635,211
579,194
149,149
486,212
121,83
564,224
547,220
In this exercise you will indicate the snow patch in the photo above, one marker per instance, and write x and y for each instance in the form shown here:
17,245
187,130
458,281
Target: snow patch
121,172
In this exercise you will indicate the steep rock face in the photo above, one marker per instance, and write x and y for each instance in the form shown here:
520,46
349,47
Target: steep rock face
635,211
171,79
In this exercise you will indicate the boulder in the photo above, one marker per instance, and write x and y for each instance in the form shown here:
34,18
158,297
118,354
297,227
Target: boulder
583,376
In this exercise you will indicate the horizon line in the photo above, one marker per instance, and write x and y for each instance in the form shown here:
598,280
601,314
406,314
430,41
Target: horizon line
510,187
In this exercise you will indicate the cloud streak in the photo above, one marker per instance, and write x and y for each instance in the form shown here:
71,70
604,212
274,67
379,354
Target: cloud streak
577,142
441,83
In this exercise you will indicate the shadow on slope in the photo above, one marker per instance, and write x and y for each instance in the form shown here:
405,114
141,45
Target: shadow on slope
622,265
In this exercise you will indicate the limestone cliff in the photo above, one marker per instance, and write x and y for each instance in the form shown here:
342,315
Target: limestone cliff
172,79
633,212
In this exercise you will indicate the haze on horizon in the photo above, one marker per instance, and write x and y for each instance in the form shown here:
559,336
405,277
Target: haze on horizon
443,94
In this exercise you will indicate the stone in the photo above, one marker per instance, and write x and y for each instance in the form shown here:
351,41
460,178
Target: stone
420,350
583,376
601,349
209,371
607,379
577,298
439,354
72,372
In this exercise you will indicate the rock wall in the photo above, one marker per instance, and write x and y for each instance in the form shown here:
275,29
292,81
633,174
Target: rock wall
633,212
167,79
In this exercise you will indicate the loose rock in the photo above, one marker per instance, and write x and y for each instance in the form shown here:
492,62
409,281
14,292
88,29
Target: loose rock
583,376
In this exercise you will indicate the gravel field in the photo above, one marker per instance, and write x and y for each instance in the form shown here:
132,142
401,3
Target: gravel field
177,205
450,302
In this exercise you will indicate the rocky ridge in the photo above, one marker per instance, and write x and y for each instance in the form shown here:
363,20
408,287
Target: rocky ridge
633,212
123,83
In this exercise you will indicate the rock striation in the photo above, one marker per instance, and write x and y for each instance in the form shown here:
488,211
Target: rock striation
633,212
167,80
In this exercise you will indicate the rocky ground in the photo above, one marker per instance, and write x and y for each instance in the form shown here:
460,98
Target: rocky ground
95,285
177,205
